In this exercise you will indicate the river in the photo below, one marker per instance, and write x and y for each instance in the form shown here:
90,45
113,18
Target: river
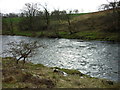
95,58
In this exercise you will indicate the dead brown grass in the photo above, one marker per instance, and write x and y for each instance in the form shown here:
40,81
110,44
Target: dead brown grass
39,76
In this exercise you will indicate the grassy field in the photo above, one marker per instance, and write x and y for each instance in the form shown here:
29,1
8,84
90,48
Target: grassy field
15,20
39,76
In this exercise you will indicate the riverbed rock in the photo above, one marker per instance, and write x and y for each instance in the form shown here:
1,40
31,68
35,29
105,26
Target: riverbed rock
60,72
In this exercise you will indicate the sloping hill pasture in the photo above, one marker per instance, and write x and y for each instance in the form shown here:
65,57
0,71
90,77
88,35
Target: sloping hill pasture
88,26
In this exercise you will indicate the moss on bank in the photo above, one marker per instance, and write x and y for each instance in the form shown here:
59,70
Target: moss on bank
39,76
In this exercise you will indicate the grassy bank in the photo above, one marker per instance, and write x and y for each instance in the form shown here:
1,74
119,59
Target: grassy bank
85,35
39,76
86,26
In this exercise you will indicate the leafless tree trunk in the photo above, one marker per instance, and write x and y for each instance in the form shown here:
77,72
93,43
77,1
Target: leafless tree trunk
22,50
30,11
47,16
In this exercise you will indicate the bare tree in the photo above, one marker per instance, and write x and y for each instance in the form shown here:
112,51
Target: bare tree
113,6
76,11
22,50
12,15
47,15
67,17
30,11
62,16
56,14
34,18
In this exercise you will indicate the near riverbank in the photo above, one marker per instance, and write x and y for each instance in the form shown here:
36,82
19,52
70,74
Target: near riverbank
39,76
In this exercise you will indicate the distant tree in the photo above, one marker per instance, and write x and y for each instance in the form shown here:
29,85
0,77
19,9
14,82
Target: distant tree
67,17
22,50
112,4
56,15
31,9
47,15
32,17
8,25
63,16
114,16
40,13
12,15
22,14
76,11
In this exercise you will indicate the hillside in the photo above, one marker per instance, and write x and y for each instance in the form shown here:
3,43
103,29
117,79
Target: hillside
88,26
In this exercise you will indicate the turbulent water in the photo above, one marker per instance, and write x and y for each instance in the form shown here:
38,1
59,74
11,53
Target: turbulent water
95,58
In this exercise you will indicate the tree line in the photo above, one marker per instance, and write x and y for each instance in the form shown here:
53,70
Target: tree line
37,17
114,16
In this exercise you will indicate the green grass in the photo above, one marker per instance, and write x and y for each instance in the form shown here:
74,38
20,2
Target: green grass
85,35
24,33
15,19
